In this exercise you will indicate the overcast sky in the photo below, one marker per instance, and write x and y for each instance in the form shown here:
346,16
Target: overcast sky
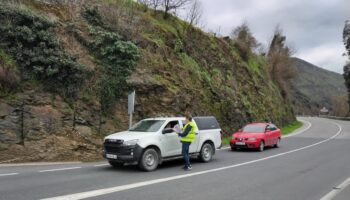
313,27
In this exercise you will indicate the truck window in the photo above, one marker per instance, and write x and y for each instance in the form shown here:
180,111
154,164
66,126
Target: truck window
171,124
147,126
206,123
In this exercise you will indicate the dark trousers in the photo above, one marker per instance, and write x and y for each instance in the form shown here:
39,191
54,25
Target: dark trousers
185,153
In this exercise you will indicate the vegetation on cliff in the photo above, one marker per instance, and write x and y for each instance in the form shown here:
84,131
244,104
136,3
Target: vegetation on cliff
79,61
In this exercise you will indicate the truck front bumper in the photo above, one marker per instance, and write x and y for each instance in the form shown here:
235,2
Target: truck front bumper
123,154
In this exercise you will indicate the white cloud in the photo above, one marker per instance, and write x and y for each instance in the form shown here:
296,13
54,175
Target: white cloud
308,25
327,56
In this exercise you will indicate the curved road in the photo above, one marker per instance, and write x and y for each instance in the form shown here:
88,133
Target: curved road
307,166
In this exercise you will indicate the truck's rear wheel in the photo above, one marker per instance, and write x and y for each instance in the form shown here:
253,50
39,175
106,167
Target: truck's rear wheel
206,153
149,160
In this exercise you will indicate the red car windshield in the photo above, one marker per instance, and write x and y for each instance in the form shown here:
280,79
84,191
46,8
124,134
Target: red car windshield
254,129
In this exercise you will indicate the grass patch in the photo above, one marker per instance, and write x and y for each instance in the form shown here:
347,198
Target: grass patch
153,38
254,65
172,24
6,59
226,140
291,127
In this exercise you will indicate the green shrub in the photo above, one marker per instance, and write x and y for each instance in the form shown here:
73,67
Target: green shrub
92,16
27,38
253,64
9,75
179,46
117,58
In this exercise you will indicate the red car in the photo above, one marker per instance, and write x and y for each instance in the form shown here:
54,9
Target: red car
256,136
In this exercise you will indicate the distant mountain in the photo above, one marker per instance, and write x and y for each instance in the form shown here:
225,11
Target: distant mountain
314,87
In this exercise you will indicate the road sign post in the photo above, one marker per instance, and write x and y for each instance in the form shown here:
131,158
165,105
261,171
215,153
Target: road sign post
131,105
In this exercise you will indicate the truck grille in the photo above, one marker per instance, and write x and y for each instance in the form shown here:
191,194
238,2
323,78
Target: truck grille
116,147
114,141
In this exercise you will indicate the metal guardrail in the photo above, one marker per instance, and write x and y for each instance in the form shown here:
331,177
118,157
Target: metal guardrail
335,117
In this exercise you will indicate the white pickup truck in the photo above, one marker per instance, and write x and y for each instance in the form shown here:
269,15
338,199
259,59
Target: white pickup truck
151,141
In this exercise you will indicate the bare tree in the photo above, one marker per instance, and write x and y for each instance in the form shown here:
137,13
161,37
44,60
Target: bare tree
144,2
156,4
243,33
195,13
153,4
173,5
346,36
244,40
346,40
340,106
279,63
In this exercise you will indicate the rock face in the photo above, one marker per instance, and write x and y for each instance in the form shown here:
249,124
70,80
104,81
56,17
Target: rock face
39,127
8,123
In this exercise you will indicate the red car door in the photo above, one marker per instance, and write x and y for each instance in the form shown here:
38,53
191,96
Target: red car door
275,134
268,135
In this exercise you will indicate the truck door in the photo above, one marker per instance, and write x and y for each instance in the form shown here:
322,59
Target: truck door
171,141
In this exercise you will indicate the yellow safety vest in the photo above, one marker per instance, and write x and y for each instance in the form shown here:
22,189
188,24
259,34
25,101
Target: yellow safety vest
191,135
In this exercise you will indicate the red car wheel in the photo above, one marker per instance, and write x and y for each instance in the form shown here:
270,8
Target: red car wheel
261,146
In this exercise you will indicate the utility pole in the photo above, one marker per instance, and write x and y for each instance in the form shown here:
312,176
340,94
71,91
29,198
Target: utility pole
22,124
131,105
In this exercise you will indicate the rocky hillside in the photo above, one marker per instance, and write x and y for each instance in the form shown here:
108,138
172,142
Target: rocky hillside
314,87
65,71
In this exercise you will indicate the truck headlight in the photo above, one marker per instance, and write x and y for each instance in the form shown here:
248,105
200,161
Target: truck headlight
251,139
130,142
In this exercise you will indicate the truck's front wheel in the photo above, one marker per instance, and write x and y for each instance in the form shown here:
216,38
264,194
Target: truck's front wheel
206,153
149,160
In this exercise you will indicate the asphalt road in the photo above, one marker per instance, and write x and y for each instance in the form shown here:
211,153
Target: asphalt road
307,166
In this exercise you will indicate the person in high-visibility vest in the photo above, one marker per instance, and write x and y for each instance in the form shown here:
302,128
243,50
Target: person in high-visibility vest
187,137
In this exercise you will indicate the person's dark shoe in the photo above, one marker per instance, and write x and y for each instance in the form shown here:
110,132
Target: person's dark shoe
189,168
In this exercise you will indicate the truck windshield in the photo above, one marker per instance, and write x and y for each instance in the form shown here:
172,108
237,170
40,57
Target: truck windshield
253,129
147,126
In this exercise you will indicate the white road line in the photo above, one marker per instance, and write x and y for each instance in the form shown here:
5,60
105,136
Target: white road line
336,190
11,174
101,165
110,190
38,164
60,169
